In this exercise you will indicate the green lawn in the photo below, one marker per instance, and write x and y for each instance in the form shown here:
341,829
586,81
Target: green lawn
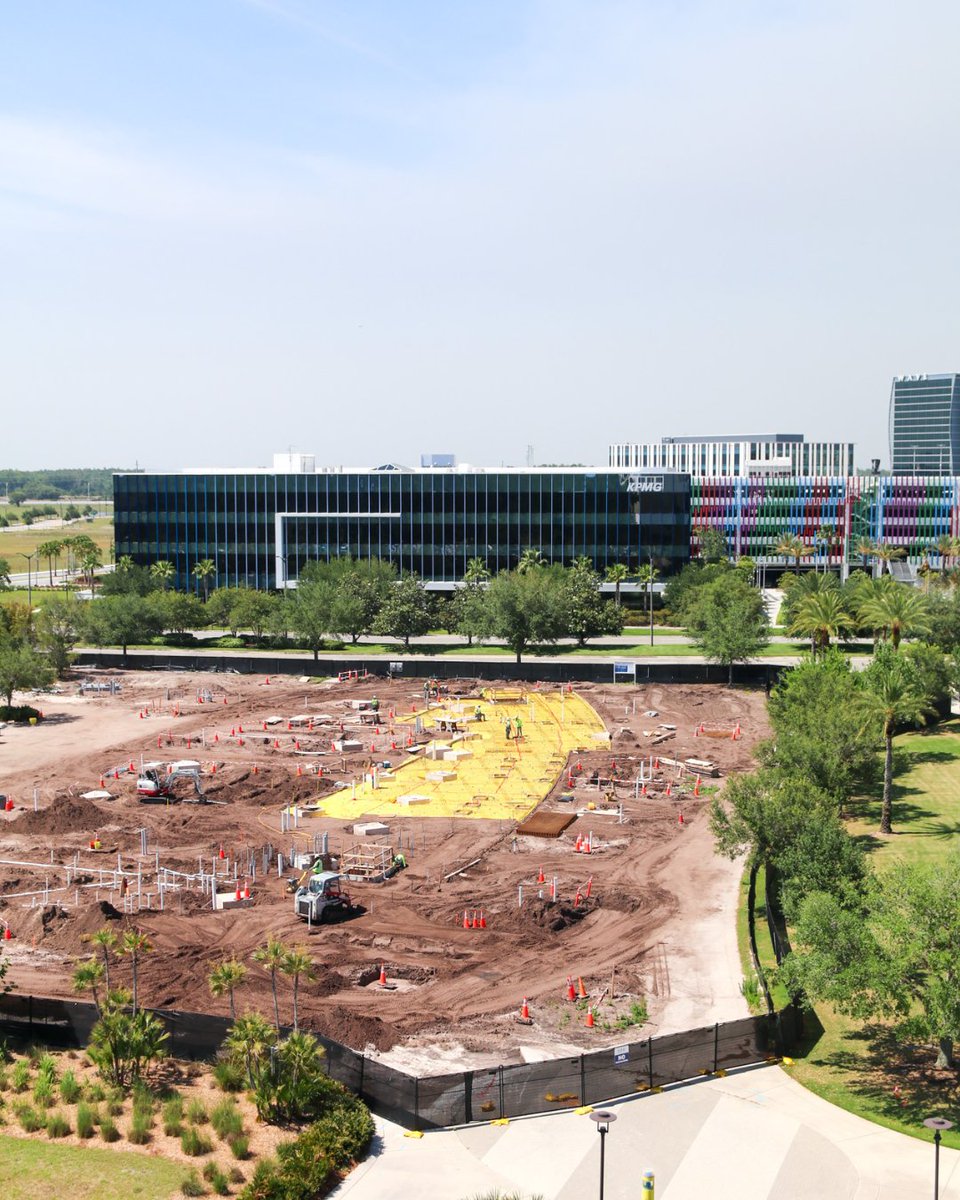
859,1067
33,1169
14,542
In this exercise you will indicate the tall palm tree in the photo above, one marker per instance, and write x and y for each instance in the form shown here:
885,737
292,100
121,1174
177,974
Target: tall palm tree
252,1037
124,563
162,571
866,548
893,696
203,570
886,554
87,976
90,561
824,537
50,551
616,574
298,965
529,560
792,546
134,943
224,979
271,957
946,546
476,571
896,609
821,616
106,941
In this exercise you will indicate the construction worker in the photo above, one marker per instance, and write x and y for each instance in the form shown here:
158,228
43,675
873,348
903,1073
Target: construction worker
519,725
399,860
479,714
375,704
508,728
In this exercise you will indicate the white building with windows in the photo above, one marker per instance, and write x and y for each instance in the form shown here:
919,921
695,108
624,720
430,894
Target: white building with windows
726,457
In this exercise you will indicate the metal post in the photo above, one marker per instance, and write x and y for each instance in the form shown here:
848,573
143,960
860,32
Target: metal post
938,1125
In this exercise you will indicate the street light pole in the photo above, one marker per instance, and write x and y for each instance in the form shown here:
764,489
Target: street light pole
938,1125
29,558
603,1121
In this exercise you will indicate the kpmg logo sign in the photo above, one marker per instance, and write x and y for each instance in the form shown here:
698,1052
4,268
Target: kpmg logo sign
642,483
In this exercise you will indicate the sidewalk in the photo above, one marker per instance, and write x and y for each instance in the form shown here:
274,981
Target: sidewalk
755,1135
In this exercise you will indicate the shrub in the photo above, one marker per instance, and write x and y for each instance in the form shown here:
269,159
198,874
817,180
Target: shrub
235,1175
114,1102
94,1092
217,1179
30,1120
22,713
86,1120
227,1119
3,1079
47,1067
229,1074
57,1125
197,1112
195,1143
193,1185
108,1130
173,1117
139,1132
240,1146
20,1076
70,1089
43,1091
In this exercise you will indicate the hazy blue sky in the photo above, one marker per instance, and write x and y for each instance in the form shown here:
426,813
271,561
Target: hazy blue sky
369,229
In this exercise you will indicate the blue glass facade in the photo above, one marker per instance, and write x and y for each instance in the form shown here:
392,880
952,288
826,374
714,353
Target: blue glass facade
259,528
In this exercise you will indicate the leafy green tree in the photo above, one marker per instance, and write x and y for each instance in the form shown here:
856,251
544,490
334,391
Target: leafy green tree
178,612
135,943
359,588
822,729
711,543
727,621
272,957
22,667
252,610
526,608
895,609
224,980
251,1040
943,613
894,958
894,695
128,579
407,610
221,607
204,570
530,560
682,587
799,588
297,964
476,571
585,613
467,611
310,611
58,629
121,620
762,814
4,573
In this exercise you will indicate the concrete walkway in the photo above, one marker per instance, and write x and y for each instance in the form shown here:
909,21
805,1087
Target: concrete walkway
755,1135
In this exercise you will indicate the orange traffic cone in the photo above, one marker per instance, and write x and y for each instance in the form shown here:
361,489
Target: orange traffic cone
588,844
216,737
589,1021
679,818
571,991
524,1007
256,769
102,782
643,790
267,680
213,769
696,787
7,933
383,975
541,878
246,890
475,923
466,920
668,790
238,895
483,920
579,846
589,886
581,990
578,899
656,764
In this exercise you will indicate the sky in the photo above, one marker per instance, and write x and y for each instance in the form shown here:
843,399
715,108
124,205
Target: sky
367,230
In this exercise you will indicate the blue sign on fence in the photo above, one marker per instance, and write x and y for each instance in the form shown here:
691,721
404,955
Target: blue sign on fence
621,1055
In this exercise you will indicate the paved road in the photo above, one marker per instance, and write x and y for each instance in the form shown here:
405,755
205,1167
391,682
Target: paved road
755,1135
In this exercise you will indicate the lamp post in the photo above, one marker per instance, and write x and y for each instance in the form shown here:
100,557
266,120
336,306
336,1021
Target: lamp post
603,1120
938,1125
29,558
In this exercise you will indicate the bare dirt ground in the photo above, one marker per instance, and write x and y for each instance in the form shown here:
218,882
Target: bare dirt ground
658,923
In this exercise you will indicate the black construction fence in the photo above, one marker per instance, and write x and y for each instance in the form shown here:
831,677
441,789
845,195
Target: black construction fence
483,1094
533,670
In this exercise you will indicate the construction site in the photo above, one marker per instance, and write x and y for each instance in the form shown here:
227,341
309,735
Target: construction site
482,873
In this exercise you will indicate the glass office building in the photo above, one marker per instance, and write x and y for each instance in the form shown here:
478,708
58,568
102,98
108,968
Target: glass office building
925,425
260,527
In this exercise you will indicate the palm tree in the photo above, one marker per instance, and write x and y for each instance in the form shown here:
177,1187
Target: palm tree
529,560
202,570
825,537
866,548
90,561
252,1036
821,616
106,941
87,975
888,554
894,696
946,546
162,571
134,943
298,965
50,551
476,571
791,546
224,979
272,957
124,563
895,609
616,574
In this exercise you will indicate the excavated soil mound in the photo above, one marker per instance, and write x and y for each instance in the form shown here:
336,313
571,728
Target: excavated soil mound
67,814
